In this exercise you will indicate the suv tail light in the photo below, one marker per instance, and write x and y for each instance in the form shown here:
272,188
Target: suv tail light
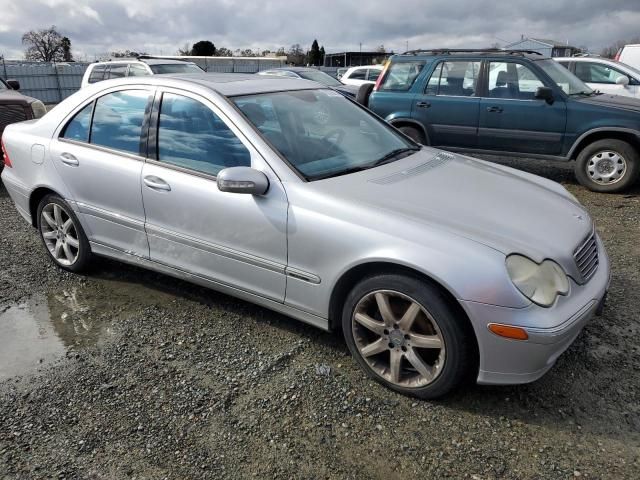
617,57
7,161
381,76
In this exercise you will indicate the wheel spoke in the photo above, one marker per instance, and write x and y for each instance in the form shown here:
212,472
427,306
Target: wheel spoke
382,299
68,224
409,316
67,252
49,235
374,348
57,214
72,242
419,364
58,249
394,365
369,323
47,218
425,341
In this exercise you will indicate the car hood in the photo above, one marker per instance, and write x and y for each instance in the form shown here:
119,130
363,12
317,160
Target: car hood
613,101
492,205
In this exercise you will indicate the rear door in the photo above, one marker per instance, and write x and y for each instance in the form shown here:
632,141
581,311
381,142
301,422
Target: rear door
98,154
448,106
512,119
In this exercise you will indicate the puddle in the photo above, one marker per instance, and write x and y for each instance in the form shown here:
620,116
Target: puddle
44,327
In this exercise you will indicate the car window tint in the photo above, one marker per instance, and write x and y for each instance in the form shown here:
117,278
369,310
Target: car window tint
597,73
190,135
137,71
78,127
97,74
457,79
118,118
401,76
512,81
118,71
373,74
359,74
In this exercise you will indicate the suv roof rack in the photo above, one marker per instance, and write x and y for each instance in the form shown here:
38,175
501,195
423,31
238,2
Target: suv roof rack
449,51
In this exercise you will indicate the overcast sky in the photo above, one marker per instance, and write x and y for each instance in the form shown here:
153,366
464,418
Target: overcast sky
162,26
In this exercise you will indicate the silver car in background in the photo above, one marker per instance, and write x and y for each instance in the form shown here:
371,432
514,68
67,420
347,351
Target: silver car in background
285,193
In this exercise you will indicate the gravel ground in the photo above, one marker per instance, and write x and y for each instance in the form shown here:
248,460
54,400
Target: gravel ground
161,379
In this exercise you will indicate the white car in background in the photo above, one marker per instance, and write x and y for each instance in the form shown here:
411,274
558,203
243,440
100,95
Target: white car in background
135,67
361,75
605,75
629,54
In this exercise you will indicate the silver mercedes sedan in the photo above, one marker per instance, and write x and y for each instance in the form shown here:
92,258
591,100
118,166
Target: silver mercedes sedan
435,267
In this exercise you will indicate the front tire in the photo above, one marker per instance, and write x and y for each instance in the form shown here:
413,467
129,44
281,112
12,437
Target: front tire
608,166
62,234
405,335
414,134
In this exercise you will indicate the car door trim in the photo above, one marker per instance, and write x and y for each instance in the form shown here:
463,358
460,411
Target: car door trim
458,129
100,148
524,134
504,153
123,220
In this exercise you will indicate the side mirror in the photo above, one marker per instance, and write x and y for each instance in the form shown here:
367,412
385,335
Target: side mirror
622,80
546,94
243,180
15,84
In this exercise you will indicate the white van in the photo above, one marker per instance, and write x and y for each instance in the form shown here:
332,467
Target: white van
630,54
96,72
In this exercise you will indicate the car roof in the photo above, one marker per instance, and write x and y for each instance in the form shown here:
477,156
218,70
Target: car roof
295,69
227,84
148,61
482,52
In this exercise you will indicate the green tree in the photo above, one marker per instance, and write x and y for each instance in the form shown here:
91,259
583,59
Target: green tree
203,48
322,54
314,53
67,56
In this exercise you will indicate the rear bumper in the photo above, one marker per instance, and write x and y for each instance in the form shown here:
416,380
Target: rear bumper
18,193
505,361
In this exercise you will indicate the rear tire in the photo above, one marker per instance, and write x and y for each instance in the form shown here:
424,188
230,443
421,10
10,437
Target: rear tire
608,166
414,134
405,335
62,235
362,97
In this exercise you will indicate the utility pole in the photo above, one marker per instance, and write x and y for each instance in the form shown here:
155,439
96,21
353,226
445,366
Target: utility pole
407,45
360,59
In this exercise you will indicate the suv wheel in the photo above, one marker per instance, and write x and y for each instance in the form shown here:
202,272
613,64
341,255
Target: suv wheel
414,134
362,97
608,166
405,335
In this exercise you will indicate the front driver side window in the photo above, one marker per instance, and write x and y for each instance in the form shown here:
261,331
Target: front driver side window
511,80
190,135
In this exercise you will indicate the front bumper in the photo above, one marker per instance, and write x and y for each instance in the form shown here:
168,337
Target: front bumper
505,361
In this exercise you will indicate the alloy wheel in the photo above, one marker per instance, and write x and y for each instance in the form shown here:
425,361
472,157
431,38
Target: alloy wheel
398,338
60,234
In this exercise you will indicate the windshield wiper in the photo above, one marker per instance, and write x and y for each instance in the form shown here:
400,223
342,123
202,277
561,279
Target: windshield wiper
393,154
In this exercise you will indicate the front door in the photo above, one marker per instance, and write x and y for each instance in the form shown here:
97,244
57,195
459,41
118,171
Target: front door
98,156
448,106
512,119
238,240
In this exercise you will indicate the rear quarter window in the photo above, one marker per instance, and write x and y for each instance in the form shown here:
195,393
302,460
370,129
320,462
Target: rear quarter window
97,74
401,76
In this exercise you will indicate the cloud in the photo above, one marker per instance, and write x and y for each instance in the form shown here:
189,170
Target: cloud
162,26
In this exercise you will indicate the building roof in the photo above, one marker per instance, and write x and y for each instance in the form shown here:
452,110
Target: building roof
545,41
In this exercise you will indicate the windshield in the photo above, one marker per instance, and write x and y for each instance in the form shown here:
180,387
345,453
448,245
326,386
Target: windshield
2,85
320,77
175,68
321,133
566,80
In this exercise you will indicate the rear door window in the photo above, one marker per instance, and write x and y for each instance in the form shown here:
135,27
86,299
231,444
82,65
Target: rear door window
192,136
458,79
373,74
78,128
118,70
401,76
359,74
118,119
136,70
97,74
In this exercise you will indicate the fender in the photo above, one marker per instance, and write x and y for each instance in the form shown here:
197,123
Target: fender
395,120
573,148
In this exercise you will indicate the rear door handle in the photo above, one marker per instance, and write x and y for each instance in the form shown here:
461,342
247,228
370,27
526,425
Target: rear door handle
69,159
494,109
423,104
156,183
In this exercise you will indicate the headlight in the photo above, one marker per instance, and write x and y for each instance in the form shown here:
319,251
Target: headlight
540,283
38,109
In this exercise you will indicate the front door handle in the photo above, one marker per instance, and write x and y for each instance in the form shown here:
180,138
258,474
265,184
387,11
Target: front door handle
69,159
423,104
494,109
156,183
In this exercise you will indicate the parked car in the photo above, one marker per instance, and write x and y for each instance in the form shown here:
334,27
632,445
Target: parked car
99,71
434,266
15,107
511,103
315,75
607,76
340,72
361,75
630,55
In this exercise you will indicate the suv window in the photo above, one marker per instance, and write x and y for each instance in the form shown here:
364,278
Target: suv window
373,74
597,73
78,127
359,74
512,81
137,70
118,70
97,74
457,79
190,135
117,120
401,76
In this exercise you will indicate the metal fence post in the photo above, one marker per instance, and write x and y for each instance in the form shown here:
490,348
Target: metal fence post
4,66
58,82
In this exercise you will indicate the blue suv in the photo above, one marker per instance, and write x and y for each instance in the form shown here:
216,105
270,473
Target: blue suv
508,102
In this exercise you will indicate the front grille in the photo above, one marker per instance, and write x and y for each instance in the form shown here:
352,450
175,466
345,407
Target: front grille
586,257
11,114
